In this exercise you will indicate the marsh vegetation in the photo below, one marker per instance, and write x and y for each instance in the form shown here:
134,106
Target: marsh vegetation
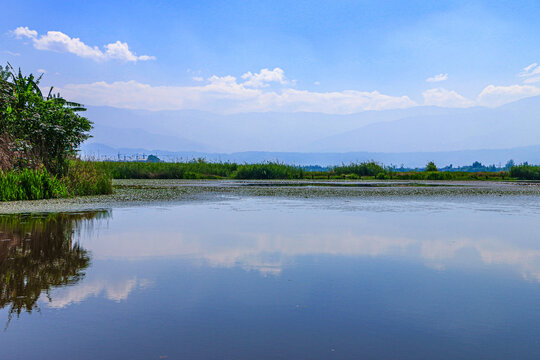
40,135
39,138
201,169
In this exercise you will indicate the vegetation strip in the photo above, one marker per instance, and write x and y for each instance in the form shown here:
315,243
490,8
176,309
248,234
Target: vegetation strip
39,138
201,169
40,135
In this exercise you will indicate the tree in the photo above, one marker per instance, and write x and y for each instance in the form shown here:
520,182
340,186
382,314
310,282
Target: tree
509,164
477,165
4,72
43,130
431,166
153,159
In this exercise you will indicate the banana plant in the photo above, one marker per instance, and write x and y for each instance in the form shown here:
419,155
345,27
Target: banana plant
44,129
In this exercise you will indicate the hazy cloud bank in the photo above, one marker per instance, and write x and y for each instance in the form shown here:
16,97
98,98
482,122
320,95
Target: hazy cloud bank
227,94
270,90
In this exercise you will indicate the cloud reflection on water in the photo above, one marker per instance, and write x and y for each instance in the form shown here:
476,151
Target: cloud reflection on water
112,289
269,239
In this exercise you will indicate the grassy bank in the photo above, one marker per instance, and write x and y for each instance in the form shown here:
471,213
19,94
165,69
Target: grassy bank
82,178
201,169
94,178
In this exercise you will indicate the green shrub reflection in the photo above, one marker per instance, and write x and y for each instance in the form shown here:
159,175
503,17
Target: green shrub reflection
38,253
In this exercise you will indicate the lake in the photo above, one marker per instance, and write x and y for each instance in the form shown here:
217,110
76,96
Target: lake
274,270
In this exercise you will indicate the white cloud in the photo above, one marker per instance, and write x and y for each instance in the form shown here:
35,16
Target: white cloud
120,51
41,71
530,67
225,94
251,93
437,78
499,95
12,53
21,32
60,42
445,98
264,77
530,74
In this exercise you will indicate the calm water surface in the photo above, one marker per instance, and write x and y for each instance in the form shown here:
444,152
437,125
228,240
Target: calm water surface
275,278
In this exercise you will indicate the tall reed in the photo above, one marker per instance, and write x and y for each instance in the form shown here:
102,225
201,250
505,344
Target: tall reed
525,172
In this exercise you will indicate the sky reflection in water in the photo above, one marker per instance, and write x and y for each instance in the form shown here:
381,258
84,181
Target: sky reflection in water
273,278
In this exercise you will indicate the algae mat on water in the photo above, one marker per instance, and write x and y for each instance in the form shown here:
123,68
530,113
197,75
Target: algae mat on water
140,192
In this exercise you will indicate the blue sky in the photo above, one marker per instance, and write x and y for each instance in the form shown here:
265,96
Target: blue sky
329,56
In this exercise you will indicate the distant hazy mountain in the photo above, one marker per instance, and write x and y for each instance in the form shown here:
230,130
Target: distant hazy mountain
419,129
138,138
512,125
238,132
409,159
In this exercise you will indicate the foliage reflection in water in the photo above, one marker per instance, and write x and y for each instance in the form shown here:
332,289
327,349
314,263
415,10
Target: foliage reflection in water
39,253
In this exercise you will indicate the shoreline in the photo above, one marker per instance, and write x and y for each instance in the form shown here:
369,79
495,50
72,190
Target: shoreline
133,193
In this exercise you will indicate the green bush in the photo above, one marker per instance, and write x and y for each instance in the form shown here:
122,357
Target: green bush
268,171
431,167
85,178
361,169
525,172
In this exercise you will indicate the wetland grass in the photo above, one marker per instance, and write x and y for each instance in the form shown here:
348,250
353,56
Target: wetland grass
82,178
201,169
30,185
525,172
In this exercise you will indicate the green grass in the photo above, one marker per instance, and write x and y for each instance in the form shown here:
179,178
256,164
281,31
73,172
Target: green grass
85,178
30,185
82,178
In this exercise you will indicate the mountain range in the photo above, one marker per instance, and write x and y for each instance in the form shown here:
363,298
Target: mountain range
509,129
